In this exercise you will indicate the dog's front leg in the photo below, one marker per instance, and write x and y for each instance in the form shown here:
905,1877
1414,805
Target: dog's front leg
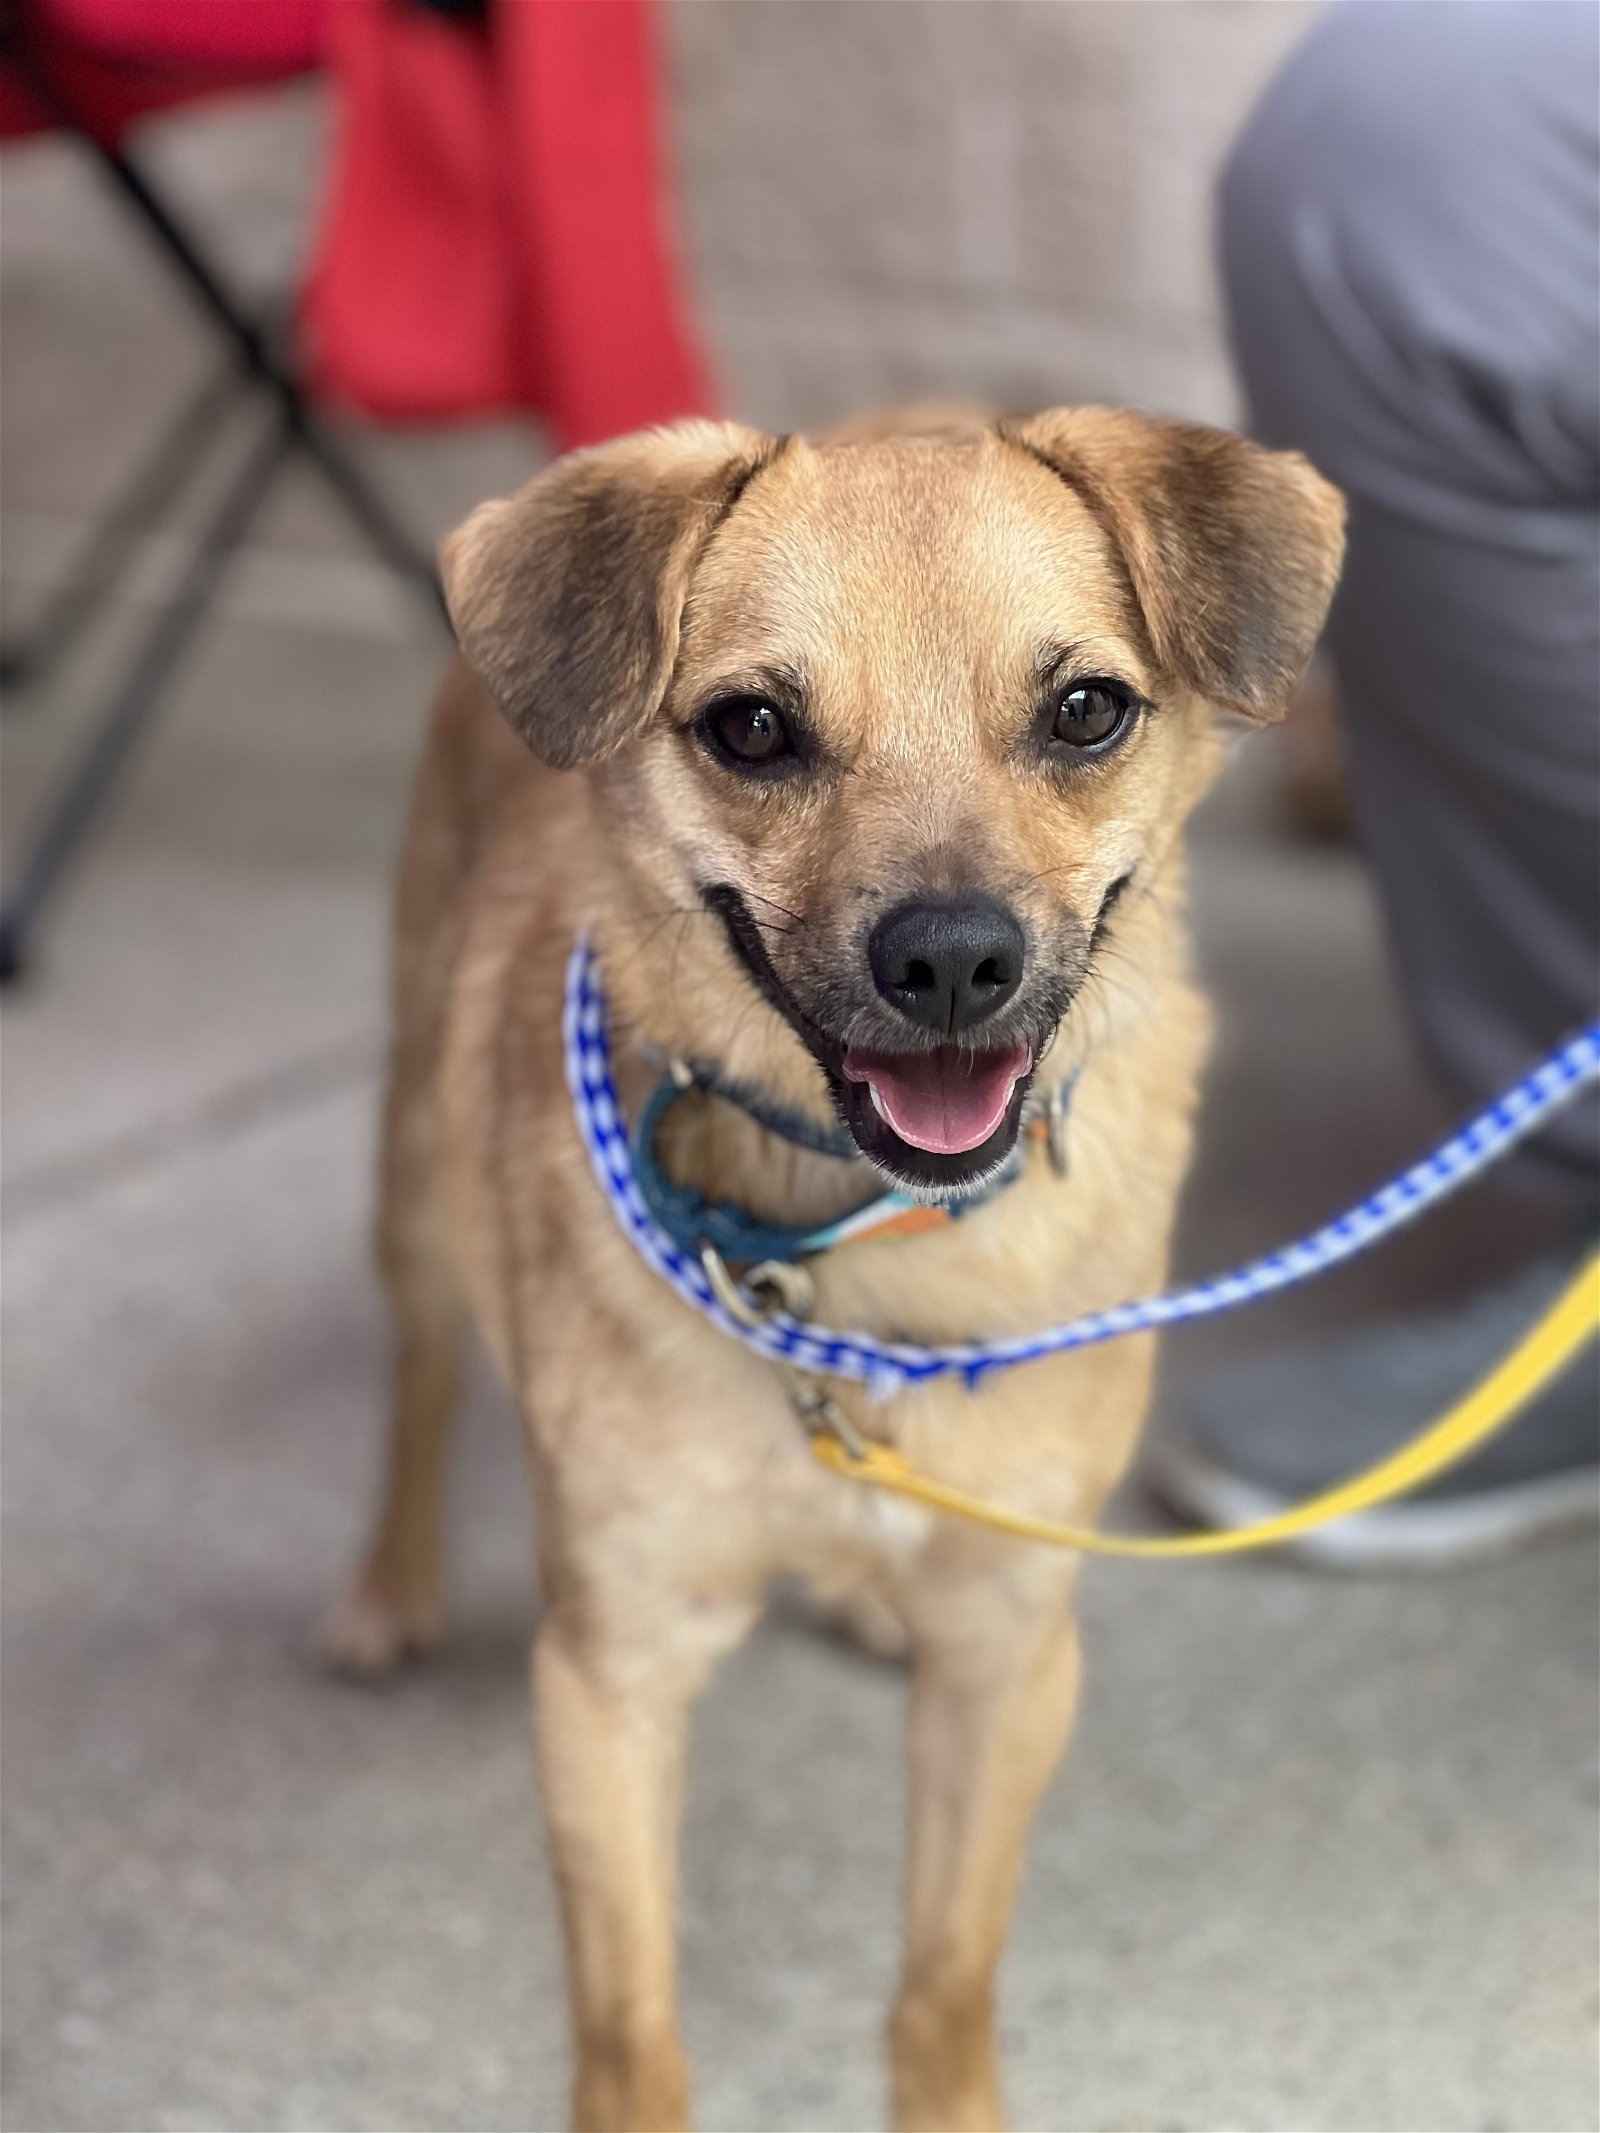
991,1704
609,1728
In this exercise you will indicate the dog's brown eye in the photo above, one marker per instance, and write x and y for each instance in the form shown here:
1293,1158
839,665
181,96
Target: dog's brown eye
750,730
1093,713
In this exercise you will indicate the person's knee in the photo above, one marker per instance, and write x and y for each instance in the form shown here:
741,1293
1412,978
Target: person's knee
1294,143
1374,113
1287,165
1341,142
1407,252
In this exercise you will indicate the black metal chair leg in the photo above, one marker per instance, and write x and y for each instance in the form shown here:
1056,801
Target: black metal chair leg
83,793
80,799
365,506
105,555
254,344
351,486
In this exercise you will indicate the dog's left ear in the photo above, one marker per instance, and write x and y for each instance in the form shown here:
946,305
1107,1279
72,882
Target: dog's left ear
1233,551
568,597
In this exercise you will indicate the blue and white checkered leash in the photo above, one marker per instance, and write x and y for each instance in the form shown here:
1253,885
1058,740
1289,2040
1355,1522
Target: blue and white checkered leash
888,1367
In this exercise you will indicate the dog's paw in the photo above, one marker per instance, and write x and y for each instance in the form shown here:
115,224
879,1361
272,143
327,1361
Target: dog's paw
367,1633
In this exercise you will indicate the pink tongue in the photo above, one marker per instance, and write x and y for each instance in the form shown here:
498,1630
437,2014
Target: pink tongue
945,1101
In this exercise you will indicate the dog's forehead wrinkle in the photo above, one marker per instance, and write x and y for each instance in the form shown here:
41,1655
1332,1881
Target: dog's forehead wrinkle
914,579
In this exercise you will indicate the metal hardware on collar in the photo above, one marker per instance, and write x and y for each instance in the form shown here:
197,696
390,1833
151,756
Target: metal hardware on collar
770,1286
728,1292
788,1285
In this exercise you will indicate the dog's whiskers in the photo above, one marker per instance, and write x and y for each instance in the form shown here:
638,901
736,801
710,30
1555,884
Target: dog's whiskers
797,922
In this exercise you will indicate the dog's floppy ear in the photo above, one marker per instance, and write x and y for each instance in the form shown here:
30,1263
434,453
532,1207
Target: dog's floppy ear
567,597
1233,551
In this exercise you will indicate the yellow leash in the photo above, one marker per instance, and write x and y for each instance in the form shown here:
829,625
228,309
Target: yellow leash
1571,1321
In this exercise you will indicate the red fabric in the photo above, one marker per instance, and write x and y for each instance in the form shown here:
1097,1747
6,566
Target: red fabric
493,237
245,39
116,59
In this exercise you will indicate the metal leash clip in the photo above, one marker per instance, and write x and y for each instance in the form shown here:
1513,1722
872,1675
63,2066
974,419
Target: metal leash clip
820,1413
781,1285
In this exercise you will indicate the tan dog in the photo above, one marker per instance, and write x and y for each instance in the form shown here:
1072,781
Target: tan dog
876,755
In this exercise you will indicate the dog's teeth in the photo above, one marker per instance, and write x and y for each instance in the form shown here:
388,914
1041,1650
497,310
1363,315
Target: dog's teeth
877,1103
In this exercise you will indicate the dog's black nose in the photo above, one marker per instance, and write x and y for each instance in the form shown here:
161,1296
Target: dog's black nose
946,963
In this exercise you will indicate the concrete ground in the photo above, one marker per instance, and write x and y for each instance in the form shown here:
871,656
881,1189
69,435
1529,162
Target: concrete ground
1323,1854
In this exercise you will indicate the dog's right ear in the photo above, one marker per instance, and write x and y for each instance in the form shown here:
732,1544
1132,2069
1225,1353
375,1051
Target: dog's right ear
567,597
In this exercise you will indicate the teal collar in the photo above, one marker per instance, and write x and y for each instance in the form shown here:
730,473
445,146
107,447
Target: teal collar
696,1223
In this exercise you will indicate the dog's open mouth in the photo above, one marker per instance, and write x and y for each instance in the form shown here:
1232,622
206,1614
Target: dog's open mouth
945,1102
940,1119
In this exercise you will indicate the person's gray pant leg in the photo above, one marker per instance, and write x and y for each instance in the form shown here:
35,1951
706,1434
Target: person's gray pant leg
1410,238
